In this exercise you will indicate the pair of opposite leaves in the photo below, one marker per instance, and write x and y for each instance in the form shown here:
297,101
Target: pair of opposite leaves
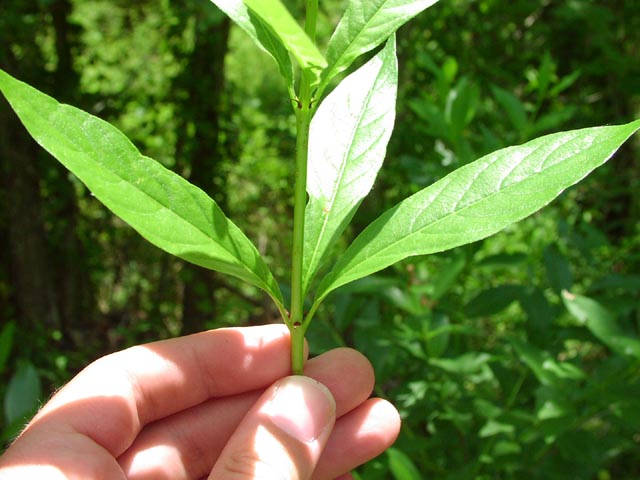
469,204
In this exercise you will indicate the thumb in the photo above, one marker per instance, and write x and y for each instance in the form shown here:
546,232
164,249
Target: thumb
283,434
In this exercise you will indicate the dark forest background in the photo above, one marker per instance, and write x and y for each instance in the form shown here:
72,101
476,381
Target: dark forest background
494,376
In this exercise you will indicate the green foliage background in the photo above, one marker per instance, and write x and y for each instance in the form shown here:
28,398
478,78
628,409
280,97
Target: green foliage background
496,371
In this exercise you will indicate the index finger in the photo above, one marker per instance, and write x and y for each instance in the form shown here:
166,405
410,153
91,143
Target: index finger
120,393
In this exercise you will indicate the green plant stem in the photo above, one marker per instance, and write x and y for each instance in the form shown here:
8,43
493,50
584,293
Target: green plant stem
311,20
297,350
303,120
296,318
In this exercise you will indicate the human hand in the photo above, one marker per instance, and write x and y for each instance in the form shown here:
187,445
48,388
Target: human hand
215,405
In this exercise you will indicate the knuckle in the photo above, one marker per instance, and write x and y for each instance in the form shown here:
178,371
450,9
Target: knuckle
248,465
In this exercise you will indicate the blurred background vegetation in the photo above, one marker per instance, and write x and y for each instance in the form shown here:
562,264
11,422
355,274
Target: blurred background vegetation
514,357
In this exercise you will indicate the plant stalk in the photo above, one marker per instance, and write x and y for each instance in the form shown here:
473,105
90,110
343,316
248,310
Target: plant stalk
303,120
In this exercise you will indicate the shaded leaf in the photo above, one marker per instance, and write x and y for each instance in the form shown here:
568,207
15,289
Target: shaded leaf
478,200
347,145
558,269
502,260
601,323
23,393
495,427
438,335
493,300
401,466
461,106
540,315
447,276
547,370
535,359
465,364
512,106
162,206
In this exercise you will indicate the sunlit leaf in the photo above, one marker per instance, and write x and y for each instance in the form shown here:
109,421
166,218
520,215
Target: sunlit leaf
261,34
478,200
347,145
162,206
277,18
365,25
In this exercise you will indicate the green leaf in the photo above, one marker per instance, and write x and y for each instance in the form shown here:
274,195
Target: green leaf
466,364
161,205
275,15
512,106
347,144
23,393
365,25
493,300
401,466
462,103
478,200
547,369
601,323
558,269
261,33
537,360
495,427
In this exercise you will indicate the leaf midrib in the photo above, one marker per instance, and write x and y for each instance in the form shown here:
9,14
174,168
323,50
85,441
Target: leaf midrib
133,150
343,165
410,235
346,49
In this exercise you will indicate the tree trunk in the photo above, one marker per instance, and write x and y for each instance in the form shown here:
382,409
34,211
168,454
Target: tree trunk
203,81
31,278
28,263
74,288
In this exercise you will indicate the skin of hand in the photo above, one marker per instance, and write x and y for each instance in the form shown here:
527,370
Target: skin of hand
214,405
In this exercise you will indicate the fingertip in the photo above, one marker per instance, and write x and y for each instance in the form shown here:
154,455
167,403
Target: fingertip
384,421
303,408
359,436
284,433
347,373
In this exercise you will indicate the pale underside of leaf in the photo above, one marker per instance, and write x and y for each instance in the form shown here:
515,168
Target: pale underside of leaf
478,200
161,205
347,144
365,25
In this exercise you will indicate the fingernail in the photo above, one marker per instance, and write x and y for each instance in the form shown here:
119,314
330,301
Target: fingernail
302,407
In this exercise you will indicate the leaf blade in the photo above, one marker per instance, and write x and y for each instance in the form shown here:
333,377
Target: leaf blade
358,117
602,323
365,25
478,200
162,206
276,16
261,34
